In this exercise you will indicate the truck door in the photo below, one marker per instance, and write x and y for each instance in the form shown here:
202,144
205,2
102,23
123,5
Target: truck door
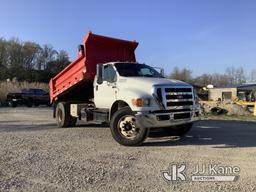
105,90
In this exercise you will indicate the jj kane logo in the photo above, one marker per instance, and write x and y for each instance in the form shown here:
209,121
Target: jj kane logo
203,172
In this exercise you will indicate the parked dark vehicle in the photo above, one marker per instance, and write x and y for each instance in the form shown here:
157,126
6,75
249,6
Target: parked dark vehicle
28,97
14,99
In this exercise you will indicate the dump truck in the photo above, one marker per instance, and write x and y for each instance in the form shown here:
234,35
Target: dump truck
106,84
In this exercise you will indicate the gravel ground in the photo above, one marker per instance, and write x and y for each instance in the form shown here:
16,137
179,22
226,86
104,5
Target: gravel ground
35,155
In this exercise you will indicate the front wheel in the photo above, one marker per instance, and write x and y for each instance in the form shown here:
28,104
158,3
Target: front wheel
13,104
179,130
125,130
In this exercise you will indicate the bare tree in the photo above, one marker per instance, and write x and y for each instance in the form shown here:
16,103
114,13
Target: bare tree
59,63
47,54
181,74
240,76
235,75
29,61
3,59
15,60
203,80
30,51
231,74
253,75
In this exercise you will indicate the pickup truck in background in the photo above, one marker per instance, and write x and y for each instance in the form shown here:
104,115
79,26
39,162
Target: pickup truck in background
28,97
105,84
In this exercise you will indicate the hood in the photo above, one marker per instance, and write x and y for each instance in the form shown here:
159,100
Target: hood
147,82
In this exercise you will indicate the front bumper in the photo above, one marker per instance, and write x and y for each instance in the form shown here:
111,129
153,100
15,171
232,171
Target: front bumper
18,101
155,119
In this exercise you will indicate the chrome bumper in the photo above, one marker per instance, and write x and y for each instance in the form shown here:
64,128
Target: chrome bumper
154,120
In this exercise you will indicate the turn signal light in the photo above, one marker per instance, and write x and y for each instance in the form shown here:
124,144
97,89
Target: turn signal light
140,102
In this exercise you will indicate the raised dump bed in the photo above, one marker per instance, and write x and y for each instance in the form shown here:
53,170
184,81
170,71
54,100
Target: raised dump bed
75,82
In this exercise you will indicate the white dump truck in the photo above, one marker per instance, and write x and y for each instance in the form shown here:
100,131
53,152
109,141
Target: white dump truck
106,84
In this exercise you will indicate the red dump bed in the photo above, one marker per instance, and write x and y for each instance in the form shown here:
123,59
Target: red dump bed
97,49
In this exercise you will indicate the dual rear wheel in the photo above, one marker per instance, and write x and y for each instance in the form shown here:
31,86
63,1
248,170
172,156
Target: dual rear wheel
63,117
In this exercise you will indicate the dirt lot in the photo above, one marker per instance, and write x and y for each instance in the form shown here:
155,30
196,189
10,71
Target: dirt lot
35,155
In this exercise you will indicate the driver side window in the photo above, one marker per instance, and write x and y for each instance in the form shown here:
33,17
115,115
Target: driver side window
145,71
109,73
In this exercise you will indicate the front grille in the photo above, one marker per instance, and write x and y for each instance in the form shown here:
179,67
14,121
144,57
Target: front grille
178,97
179,103
177,100
177,90
175,97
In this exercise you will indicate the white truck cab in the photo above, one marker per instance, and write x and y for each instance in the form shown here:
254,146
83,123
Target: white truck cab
149,99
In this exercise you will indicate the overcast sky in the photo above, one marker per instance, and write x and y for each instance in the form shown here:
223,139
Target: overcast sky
205,36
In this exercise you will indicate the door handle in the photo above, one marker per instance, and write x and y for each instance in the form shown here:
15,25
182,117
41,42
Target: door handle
96,87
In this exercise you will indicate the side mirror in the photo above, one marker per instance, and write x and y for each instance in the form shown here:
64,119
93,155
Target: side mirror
159,70
162,72
99,73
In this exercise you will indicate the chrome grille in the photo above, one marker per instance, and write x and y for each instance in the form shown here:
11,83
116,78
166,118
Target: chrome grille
175,97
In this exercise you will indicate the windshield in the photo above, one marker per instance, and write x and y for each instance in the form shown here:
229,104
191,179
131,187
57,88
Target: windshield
136,70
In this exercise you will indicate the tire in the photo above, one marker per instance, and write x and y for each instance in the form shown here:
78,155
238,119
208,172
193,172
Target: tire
13,104
179,130
62,115
29,103
124,129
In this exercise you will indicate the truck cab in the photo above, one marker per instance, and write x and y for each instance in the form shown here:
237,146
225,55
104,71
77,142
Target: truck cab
154,100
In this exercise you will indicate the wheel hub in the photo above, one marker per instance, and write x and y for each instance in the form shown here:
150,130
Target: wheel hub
127,127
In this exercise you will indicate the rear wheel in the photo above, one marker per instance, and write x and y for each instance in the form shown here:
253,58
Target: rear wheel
125,130
29,103
62,116
179,130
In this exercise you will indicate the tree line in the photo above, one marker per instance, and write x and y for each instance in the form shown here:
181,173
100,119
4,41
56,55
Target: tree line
231,76
29,61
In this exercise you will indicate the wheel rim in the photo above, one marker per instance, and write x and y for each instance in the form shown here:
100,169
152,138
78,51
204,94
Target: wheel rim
59,115
127,127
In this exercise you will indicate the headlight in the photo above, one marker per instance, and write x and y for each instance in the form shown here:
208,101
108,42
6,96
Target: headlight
139,102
